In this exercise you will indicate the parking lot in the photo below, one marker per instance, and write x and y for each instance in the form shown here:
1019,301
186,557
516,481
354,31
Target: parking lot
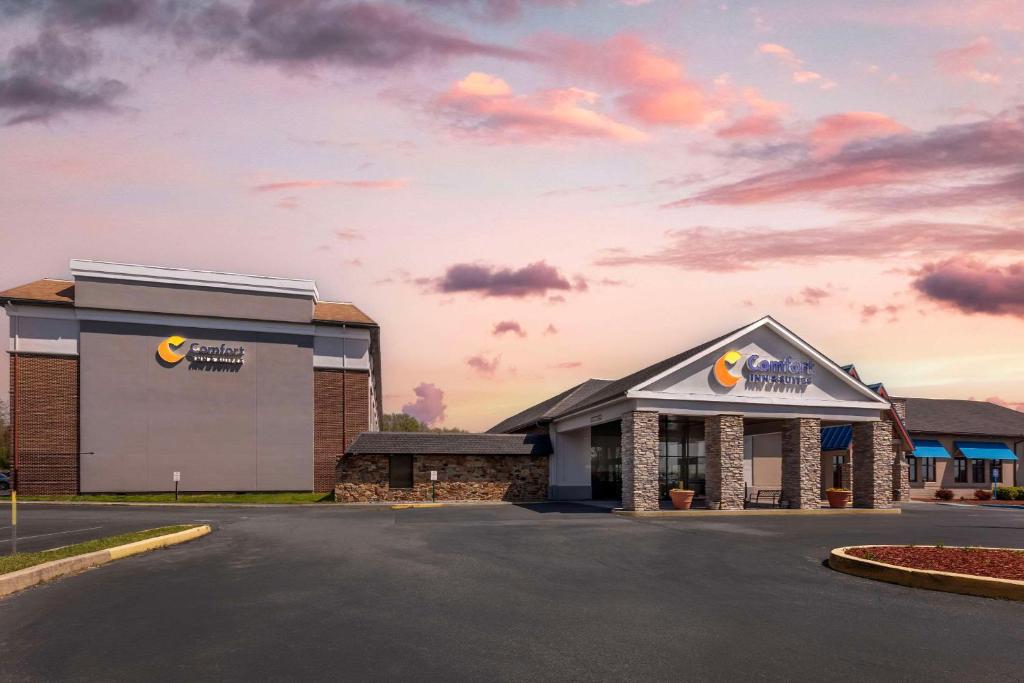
553,591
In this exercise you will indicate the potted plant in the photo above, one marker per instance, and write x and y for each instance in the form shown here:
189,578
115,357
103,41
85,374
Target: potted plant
838,498
681,498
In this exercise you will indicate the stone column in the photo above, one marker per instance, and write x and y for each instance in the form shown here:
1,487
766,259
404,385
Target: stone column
872,464
900,477
640,460
723,447
801,463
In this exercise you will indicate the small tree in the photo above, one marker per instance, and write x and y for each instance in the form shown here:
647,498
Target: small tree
5,437
400,422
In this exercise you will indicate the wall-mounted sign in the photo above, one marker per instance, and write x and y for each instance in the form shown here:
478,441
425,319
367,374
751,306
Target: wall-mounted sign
760,371
169,351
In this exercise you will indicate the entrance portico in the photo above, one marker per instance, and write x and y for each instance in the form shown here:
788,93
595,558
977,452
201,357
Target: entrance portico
742,411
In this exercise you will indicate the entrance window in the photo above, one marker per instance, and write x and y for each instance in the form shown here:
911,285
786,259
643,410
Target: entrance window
837,471
960,470
400,472
928,469
978,471
912,466
680,454
606,461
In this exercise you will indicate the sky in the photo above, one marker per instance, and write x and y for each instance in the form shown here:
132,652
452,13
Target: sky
528,193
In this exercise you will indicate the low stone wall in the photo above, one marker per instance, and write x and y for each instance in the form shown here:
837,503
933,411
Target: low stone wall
364,478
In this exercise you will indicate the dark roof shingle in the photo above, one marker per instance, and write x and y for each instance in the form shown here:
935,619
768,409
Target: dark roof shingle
955,416
44,291
436,443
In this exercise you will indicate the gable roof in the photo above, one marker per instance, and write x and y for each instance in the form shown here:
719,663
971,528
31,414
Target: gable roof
45,291
436,443
955,416
546,410
331,312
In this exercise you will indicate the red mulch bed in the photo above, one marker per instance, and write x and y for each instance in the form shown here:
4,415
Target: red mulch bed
999,564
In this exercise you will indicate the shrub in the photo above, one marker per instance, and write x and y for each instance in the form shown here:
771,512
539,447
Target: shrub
835,490
983,494
1010,492
944,494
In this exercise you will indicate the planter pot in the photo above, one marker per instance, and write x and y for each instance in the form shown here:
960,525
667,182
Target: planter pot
839,499
681,499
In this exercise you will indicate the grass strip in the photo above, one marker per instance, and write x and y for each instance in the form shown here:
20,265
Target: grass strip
11,563
257,498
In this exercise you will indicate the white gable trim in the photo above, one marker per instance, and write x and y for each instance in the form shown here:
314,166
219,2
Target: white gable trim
796,341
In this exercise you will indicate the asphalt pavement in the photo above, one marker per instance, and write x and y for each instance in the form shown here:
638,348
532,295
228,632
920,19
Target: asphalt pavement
544,592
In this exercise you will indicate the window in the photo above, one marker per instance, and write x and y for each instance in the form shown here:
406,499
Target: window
400,472
837,470
960,470
978,471
927,469
912,465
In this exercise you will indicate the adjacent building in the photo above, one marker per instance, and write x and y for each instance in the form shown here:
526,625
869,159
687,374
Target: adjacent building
127,377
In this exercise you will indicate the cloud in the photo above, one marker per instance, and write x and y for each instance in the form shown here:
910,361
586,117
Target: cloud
1013,405
832,133
484,106
963,62
385,184
706,249
567,365
506,326
348,234
925,162
535,279
811,296
484,366
41,80
493,10
800,74
870,311
654,87
429,406
550,329
966,284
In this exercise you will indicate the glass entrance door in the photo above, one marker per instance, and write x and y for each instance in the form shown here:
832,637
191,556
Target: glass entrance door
681,454
606,461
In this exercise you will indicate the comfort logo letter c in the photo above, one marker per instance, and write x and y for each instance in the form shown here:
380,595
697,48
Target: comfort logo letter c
166,350
722,365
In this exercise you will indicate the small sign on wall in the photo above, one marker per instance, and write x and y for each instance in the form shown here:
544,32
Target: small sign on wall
177,476
433,475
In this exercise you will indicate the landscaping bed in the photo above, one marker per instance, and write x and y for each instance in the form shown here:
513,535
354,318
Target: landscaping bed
255,498
996,563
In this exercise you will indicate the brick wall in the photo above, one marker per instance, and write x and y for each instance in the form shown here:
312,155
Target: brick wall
341,410
46,420
364,478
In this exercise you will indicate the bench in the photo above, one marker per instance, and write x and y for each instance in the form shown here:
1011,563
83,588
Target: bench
773,496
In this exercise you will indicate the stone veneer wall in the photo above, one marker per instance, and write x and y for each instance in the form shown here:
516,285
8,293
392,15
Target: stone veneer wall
900,467
364,478
723,446
341,410
640,460
801,463
46,419
872,464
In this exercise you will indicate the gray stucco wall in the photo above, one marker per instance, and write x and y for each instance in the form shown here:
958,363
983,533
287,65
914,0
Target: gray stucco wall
161,298
244,430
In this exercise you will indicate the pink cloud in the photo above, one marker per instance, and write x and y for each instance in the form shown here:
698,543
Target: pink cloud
963,62
535,279
1012,405
348,234
870,311
800,74
567,365
429,406
508,326
970,286
486,367
832,133
483,105
550,329
811,296
385,184
706,249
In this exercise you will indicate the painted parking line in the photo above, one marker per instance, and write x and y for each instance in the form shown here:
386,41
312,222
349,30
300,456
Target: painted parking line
55,533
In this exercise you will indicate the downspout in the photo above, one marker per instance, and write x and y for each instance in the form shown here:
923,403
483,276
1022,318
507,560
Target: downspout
1017,469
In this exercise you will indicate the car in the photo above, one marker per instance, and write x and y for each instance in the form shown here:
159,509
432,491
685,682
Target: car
5,482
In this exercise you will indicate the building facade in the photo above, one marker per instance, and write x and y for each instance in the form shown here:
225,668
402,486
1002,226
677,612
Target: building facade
127,374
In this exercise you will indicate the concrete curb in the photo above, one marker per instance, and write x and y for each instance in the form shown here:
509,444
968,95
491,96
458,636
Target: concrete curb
964,584
170,505
21,579
409,506
824,512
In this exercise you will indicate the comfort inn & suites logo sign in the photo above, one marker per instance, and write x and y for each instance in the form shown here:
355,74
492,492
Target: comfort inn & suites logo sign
198,355
761,372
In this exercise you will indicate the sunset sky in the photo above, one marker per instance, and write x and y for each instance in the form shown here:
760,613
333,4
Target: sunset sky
528,193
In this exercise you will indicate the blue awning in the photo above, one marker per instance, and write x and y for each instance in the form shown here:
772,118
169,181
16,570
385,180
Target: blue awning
984,450
836,438
929,448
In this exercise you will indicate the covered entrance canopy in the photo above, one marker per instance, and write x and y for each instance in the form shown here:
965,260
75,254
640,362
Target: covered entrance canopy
760,374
